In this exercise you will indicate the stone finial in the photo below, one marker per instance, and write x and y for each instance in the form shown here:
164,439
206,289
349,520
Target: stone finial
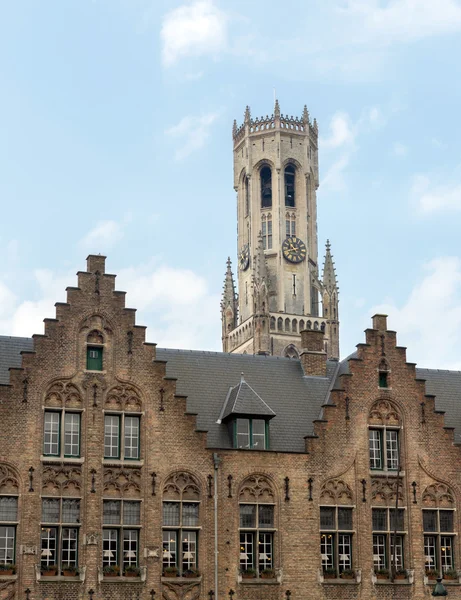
329,273
305,115
277,109
247,115
234,128
316,127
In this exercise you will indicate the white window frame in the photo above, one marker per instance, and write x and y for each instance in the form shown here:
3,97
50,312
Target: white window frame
387,447
331,539
251,538
61,431
440,543
62,531
121,538
178,551
124,448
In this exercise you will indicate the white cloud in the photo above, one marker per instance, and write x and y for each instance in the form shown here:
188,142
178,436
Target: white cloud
334,179
195,29
430,198
104,236
404,20
429,322
341,131
400,149
192,133
175,304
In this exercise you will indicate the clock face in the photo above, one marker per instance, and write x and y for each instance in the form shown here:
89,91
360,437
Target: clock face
244,258
294,249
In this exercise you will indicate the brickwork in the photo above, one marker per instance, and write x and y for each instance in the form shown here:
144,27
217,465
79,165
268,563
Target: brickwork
330,473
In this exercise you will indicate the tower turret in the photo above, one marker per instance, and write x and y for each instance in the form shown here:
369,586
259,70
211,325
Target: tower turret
330,293
276,177
229,305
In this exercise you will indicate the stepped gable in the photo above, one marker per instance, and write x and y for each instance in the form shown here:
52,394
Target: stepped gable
10,354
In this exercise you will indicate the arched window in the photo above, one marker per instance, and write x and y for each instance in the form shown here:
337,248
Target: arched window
9,491
280,324
289,185
181,502
247,196
290,224
383,374
94,350
294,326
301,325
257,527
287,324
266,231
290,352
272,322
309,325
266,187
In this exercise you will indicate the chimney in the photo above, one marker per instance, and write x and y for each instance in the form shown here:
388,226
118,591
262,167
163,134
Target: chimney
380,322
313,355
96,262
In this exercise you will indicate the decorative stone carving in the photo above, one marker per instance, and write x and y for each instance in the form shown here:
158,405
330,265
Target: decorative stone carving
438,495
181,486
181,590
28,549
257,488
92,539
336,491
91,379
96,323
62,393
124,481
62,479
123,397
9,483
383,491
384,413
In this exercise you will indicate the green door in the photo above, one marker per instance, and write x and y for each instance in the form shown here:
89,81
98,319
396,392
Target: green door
94,359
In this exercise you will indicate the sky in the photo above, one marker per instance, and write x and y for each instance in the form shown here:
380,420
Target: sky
115,138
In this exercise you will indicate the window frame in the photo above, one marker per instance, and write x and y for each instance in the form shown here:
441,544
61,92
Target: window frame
438,536
251,537
388,533
178,530
90,347
62,413
59,527
120,529
336,532
10,524
121,416
383,430
250,433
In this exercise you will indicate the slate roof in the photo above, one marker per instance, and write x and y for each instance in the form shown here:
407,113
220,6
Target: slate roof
243,400
206,377
10,349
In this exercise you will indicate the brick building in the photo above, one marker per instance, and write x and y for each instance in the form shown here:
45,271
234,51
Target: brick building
133,472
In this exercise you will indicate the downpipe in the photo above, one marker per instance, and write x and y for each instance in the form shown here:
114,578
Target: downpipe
216,461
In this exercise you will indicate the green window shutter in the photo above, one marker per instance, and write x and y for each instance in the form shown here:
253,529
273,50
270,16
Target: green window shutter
94,358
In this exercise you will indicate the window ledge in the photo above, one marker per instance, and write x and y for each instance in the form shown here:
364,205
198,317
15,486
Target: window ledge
395,582
8,577
339,581
52,460
111,462
182,579
121,578
379,473
59,578
80,578
257,581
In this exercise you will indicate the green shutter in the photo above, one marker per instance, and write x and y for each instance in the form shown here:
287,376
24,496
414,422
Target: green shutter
94,358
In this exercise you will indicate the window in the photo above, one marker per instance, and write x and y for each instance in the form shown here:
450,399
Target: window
120,536
383,372
438,527
247,196
180,535
385,522
60,533
250,433
384,449
266,187
290,225
336,538
256,537
116,445
266,232
8,524
290,186
61,434
94,358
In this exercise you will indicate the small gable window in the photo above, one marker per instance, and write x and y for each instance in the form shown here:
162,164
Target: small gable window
383,375
94,358
250,433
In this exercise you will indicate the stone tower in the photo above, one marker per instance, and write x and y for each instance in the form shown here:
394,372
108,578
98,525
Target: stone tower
276,176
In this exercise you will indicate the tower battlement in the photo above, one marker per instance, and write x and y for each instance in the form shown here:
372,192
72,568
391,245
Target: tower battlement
277,120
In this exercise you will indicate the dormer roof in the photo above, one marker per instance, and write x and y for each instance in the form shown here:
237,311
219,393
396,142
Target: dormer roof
242,400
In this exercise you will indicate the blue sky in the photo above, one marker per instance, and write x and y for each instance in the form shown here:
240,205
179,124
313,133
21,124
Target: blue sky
115,137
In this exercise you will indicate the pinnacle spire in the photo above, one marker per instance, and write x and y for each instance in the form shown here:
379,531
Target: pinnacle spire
228,296
247,114
305,115
260,270
329,273
277,109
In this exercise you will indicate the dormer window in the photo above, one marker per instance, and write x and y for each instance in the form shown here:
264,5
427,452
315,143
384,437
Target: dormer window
250,433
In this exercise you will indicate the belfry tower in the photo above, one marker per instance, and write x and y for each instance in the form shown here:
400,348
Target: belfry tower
276,176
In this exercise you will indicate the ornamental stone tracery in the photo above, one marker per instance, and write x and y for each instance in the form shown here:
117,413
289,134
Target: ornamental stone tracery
383,491
181,485
384,413
336,491
123,397
256,488
9,482
122,481
61,479
63,393
438,495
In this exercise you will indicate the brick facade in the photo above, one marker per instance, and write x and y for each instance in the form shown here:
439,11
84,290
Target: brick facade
175,461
